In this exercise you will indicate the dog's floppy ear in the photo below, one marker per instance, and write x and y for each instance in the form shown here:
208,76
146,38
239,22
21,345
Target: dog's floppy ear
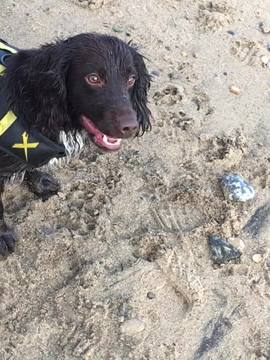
140,91
36,87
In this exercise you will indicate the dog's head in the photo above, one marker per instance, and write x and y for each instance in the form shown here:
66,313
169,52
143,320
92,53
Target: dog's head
107,89
89,81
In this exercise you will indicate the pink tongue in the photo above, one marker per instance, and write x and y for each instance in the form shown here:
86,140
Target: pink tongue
99,138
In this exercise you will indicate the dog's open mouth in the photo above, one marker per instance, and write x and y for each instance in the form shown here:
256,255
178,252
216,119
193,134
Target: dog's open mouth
98,137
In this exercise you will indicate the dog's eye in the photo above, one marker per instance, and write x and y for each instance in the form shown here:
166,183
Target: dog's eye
131,81
93,79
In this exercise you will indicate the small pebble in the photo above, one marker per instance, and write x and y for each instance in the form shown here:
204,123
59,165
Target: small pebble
117,29
235,188
84,3
132,327
155,73
151,295
235,90
77,203
237,243
258,14
221,251
265,28
121,319
264,60
257,258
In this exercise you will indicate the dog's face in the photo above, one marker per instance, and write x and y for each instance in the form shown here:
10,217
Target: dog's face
107,87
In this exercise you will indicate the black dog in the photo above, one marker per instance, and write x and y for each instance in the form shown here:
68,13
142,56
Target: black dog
90,82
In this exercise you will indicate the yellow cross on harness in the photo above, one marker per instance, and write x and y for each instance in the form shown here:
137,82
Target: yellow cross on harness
25,145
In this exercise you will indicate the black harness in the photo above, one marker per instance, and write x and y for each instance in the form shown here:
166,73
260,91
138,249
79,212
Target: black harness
16,138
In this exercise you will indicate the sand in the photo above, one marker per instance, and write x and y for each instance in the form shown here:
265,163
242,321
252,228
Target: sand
118,265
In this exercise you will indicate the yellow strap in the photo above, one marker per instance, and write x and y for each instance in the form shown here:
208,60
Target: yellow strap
10,117
8,48
6,122
2,68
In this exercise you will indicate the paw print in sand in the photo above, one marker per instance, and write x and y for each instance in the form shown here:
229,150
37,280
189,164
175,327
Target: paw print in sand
214,15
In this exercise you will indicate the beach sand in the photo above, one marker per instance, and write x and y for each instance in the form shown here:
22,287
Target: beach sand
118,265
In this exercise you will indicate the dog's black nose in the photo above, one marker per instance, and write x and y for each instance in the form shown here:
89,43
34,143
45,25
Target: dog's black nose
127,123
129,128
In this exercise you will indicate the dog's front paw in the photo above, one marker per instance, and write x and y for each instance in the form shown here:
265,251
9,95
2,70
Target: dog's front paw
7,242
42,184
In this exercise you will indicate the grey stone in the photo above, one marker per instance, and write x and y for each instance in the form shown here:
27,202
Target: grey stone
235,188
221,251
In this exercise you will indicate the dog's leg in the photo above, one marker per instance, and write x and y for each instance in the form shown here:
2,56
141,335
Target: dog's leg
7,237
42,184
